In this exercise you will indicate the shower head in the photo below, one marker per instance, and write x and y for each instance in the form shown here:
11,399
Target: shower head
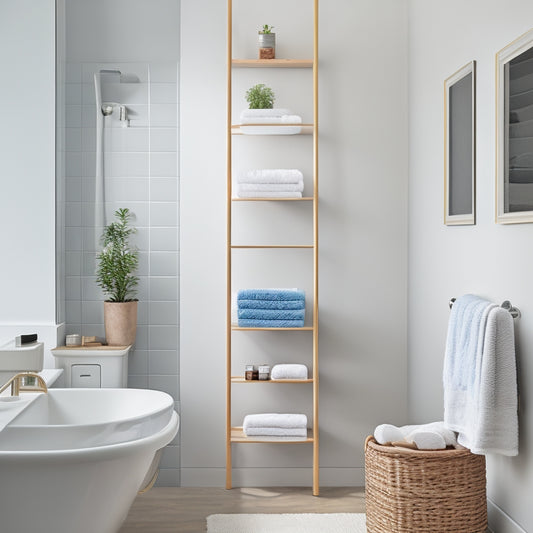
123,78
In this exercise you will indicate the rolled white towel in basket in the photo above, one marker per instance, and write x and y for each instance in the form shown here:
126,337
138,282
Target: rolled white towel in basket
289,371
432,436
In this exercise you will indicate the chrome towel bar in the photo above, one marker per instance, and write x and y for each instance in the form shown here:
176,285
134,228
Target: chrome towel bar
515,312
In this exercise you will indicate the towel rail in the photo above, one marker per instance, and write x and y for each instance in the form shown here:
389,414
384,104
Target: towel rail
515,312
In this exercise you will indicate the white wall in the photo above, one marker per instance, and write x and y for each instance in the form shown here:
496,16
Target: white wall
363,241
27,170
491,260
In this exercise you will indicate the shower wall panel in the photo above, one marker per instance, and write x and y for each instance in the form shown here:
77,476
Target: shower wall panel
140,166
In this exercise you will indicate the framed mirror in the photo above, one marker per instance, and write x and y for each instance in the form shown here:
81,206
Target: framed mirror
460,147
514,131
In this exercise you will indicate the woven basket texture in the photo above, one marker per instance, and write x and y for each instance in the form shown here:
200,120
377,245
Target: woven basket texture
415,491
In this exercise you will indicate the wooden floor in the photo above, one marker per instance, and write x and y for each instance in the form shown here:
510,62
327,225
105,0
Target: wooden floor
184,509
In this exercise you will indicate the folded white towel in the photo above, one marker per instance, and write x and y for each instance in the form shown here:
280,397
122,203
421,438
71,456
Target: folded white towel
285,119
432,436
271,175
275,420
274,112
276,432
271,187
268,194
289,371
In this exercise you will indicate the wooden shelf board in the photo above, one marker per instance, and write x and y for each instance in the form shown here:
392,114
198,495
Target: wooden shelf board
304,328
237,435
260,246
240,379
306,129
266,199
272,63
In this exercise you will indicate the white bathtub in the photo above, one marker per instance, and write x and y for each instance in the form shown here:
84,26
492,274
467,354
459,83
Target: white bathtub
74,459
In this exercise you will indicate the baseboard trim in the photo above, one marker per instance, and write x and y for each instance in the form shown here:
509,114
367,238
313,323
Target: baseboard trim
500,521
272,477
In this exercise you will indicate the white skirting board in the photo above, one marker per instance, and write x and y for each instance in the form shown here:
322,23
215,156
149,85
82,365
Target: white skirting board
272,477
501,522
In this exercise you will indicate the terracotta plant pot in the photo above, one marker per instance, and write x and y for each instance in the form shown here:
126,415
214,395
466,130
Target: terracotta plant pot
120,321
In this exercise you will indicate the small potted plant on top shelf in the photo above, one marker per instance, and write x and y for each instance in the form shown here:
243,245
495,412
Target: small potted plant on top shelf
267,42
115,274
260,97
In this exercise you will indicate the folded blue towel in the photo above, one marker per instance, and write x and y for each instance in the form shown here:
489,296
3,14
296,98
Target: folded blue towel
272,314
271,304
251,323
271,294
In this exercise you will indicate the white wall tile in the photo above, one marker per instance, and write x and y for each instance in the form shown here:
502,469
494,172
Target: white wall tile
163,72
73,190
92,312
130,189
163,289
163,164
90,290
137,382
88,116
143,316
170,457
133,139
164,214
127,165
163,139
73,239
93,329
73,94
168,384
73,116
73,72
164,115
73,164
163,362
88,139
163,239
163,93
164,263
73,139
163,189
72,288
138,362
72,263
73,214
73,311
168,477
164,313
141,340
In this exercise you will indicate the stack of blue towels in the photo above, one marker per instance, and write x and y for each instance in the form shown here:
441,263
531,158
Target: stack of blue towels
271,308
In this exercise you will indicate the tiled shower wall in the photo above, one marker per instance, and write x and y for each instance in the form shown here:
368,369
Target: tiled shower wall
140,173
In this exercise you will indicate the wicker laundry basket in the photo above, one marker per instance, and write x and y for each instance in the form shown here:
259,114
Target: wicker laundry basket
415,491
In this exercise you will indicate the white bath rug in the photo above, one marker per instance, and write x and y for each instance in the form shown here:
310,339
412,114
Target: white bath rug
287,523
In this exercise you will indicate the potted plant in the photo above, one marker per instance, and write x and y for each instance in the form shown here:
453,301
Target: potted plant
115,274
267,42
260,97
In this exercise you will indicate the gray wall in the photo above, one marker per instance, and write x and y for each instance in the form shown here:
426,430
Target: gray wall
491,260
363,238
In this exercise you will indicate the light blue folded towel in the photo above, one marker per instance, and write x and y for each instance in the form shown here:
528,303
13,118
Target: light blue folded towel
271,294
271,304
272,314
251,323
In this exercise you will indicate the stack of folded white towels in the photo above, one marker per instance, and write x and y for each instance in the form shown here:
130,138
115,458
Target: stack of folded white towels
275,425
270,117
270,183
288,371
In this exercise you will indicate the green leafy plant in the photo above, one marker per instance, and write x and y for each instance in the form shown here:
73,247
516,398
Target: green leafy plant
266,29
118,260
260,97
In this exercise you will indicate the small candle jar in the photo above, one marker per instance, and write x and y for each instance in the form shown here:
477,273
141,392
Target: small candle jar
249,372
264,372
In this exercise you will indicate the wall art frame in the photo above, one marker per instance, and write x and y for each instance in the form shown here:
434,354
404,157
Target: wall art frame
460,147
514,131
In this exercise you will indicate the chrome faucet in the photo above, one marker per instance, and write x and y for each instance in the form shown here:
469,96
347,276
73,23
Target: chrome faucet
19,383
